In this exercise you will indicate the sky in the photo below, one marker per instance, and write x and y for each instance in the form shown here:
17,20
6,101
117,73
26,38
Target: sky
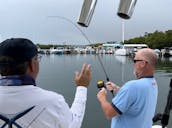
31,19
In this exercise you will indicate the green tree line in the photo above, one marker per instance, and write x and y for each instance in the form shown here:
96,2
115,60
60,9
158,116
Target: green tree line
48,46
158,39
155,40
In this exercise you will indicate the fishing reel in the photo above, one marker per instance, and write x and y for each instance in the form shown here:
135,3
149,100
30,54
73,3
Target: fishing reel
100,84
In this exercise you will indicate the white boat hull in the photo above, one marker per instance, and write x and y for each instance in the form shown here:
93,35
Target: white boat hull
157,126
121,52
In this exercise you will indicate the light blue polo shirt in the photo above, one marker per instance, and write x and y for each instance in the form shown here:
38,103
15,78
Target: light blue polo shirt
135,102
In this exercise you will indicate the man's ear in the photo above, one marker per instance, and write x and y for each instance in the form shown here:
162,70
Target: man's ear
32,68
143,64
31,65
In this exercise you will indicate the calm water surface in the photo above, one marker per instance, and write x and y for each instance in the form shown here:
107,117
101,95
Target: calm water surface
57,74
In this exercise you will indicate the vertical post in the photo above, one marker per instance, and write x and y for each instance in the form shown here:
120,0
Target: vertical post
123,37
123,30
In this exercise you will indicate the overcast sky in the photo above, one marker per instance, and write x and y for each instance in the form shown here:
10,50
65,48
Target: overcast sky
29,19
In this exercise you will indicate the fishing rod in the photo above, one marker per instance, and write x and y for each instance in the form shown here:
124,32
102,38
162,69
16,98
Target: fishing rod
125,11
100,83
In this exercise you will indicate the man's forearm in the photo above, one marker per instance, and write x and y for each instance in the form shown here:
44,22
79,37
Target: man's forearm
78,107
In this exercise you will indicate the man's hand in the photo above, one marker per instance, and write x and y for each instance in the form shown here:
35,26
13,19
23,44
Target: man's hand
111,86
84,77
101,95
107,108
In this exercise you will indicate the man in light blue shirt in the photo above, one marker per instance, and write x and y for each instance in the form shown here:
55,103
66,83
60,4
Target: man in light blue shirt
135,102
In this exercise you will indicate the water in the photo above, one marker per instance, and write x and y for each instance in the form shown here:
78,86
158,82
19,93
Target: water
57,74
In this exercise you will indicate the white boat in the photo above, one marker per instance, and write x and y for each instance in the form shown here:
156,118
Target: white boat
167,52
158,52
130,48
56,50
121,52
157,126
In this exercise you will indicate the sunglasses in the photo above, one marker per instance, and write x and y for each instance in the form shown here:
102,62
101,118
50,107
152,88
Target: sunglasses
135,61
38,57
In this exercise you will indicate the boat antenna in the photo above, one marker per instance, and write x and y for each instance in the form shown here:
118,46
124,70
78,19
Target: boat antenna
85,36
123,31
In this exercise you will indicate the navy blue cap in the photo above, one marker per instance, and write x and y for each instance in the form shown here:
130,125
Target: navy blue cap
19,49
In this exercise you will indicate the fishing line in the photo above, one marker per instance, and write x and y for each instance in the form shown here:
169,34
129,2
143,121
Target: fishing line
85,36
